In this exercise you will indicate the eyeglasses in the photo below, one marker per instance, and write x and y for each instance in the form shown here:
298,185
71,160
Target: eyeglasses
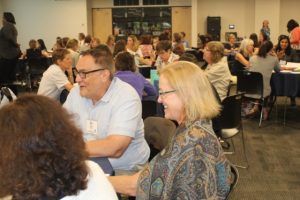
163,93
83,74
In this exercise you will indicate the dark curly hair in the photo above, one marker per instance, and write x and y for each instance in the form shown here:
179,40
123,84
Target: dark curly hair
291,25
42,152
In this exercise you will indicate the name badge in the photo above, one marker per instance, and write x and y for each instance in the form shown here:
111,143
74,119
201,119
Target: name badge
91,126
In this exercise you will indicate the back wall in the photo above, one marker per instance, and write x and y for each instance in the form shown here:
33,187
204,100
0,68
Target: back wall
47,19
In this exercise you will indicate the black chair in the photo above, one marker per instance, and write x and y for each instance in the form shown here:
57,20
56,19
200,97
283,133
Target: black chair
251,83
231,66
63,96
149,108
198,54
145,71
158,132
231,122
34,70
235,179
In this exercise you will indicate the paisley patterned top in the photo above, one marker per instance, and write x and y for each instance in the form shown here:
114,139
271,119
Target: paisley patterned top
192,166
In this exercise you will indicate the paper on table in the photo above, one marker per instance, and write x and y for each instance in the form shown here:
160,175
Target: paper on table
292,65
285,71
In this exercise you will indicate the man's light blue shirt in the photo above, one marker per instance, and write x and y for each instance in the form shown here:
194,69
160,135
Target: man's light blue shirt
117,113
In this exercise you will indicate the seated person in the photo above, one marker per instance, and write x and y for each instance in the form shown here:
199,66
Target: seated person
242,56
217,70
264,62
132,44
46,160
54,79
126,71
165,54
110,42
193,164
41,46
184,41
119,46
108,111
95,42
33,52
254,38
284,50
145,49
35,58
231,46
73,46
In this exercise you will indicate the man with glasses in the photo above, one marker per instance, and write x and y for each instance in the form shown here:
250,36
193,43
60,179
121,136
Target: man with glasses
108,111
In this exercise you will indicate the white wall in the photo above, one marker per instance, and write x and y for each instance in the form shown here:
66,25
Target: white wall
247,15
268,10
237,12
289,9
47,19
1,8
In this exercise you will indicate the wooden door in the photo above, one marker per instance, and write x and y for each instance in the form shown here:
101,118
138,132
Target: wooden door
182,20
102,23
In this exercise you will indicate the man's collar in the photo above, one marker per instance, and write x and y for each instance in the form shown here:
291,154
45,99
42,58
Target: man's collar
109,93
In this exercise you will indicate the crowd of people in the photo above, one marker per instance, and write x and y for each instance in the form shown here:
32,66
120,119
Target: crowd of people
46,147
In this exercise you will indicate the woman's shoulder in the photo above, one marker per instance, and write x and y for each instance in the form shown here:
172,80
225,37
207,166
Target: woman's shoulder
200,129
98,186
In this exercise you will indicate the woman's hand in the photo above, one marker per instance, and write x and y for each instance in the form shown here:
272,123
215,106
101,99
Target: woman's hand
280,54
125,184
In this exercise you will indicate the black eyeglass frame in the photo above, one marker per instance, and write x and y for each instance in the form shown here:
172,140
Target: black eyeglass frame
162,93
83,74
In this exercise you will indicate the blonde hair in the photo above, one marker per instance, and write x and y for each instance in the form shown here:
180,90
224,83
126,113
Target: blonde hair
243,48
193,88
216,49
135,42
231,36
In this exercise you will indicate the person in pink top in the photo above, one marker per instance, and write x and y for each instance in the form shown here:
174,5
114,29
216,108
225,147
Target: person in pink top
294,30
145,49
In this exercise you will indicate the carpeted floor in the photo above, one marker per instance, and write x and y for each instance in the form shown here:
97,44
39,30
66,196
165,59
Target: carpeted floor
273,151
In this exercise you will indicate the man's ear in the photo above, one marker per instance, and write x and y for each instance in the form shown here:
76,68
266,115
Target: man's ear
105,75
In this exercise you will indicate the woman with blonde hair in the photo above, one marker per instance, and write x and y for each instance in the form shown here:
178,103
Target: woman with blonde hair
95,42
217,70
110,42
242,56
132,44
193,164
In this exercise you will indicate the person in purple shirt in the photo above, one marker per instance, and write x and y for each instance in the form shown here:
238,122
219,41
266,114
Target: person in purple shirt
126,71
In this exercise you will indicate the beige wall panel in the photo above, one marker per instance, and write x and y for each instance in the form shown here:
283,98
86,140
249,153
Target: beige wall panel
102,23
181,21
237,12
289,9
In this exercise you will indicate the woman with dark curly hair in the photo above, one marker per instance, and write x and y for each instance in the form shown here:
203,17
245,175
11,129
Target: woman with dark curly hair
42,154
